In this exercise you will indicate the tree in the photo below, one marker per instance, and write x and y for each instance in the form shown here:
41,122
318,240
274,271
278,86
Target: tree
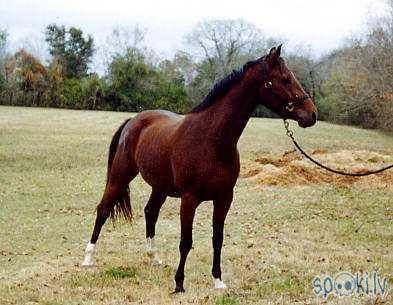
226,44
125,75
70,49
54,93
135,85
3,43
122,39
26,79
358,77
219,46
3,55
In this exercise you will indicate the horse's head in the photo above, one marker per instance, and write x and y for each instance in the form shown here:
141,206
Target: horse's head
280,91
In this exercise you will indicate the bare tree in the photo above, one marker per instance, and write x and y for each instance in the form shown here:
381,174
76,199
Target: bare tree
359,78
120,40
226,43
3,43
35,44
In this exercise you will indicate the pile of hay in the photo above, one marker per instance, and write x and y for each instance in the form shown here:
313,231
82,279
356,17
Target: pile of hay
293,169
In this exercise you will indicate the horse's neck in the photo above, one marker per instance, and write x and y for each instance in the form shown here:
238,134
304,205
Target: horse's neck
229,116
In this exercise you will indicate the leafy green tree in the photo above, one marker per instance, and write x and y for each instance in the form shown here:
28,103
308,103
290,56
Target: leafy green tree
169,94
70,49
135,85
126,74
87,93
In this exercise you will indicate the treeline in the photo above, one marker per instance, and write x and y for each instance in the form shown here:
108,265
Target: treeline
130,84
351,85
354,84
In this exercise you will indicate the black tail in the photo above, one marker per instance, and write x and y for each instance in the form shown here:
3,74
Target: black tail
113,148
123,204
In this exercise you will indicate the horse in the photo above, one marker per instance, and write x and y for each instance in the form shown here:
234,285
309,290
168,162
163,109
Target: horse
194,157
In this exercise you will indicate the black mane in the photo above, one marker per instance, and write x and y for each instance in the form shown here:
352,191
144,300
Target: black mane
223,86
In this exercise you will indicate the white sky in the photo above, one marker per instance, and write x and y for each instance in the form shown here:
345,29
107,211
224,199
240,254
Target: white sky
318,24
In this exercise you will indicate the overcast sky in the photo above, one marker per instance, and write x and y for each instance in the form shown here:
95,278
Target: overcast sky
319,24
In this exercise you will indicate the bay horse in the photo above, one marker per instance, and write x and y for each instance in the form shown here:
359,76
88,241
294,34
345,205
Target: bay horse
194,157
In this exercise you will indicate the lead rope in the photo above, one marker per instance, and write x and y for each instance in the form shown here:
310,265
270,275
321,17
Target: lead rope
289,133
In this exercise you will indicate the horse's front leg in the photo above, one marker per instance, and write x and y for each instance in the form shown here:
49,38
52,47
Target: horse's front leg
220,210
187,211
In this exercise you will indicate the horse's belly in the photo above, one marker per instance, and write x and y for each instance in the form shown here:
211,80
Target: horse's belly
156,175
153,162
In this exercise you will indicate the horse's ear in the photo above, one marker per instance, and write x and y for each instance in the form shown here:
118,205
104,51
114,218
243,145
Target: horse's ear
272,51
278,51
273,56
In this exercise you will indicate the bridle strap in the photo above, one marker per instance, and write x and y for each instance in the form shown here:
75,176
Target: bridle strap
296,101
292,103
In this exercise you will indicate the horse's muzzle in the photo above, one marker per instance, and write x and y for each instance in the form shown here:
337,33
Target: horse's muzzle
307,120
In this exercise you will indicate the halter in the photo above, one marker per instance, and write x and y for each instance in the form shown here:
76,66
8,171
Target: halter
290,106
292,103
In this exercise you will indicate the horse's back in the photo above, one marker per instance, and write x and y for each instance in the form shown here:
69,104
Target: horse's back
150,116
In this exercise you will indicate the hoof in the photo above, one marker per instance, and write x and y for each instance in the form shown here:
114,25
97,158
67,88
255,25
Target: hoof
89,253
218,284
87,263
154,258
157,262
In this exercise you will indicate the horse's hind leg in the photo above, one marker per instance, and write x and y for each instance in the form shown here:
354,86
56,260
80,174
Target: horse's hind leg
152,210
116,196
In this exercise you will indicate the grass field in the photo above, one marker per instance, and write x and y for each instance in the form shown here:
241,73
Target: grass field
278,236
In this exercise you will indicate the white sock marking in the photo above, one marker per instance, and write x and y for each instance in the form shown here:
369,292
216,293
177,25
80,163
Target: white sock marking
89,252
218,284
149,245
151,251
